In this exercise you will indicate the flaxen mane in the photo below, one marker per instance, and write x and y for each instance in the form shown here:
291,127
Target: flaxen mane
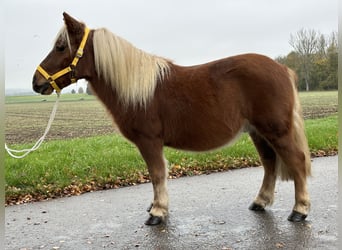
133,73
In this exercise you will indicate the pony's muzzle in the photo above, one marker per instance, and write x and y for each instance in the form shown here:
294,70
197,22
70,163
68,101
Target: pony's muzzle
42,87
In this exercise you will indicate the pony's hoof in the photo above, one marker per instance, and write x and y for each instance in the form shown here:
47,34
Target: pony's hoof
256,207
296,216
153,220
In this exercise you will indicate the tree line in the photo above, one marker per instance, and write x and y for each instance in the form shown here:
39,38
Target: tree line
314,58
81,90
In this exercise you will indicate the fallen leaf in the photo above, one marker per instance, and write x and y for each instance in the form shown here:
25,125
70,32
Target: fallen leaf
280,245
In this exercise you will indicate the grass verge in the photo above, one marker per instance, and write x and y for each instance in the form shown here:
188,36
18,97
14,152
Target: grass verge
75,166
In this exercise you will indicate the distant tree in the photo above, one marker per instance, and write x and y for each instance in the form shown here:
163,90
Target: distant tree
314,58
331,80
80,90
291,60
306,43
322,46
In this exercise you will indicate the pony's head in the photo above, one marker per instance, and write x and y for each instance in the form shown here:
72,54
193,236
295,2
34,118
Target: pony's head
63,66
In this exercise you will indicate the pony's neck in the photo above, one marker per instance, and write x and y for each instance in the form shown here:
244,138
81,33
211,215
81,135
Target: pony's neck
109,97
105,93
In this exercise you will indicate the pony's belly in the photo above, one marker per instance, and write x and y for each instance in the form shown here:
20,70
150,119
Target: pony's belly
204,141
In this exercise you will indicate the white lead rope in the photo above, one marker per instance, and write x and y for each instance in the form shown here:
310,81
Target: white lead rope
18,154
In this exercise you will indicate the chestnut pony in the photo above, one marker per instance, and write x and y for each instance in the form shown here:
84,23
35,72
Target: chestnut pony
157,103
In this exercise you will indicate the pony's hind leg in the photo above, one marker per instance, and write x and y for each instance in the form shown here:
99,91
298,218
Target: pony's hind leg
152,153
293,163
268,159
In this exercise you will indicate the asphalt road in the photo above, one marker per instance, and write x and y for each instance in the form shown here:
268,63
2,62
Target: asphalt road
206,212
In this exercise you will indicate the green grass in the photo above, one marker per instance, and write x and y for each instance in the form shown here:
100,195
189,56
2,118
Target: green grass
78,165
322,134
318,98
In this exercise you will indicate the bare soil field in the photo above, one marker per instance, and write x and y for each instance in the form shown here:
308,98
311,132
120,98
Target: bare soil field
26,122
77,117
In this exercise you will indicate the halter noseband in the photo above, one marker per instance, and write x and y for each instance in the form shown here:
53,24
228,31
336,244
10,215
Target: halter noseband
70,68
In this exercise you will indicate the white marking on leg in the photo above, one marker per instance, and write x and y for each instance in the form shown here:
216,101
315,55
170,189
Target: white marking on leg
161,197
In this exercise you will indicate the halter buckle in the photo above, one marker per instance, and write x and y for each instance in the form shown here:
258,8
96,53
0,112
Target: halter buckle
79,53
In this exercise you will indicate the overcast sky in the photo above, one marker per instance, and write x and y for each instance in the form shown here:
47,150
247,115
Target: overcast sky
185,31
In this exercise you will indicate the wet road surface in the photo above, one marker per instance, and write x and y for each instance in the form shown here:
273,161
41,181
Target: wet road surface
206,212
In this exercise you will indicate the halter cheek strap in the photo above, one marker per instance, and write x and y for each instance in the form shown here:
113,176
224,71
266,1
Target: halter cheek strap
70,68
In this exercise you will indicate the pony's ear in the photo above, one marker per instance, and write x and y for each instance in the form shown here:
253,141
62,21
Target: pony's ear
72,24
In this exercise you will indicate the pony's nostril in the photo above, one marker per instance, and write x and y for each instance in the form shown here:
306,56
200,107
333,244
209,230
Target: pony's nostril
35,87
41,88
44,88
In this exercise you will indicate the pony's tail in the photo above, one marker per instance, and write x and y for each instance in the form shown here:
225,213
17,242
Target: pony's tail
300,138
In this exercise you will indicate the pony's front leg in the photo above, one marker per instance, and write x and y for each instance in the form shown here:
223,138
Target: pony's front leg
159,208
152,153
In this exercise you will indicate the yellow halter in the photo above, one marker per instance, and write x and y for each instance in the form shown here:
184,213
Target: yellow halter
70,68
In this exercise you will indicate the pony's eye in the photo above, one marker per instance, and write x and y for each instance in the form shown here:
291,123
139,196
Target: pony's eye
60,48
